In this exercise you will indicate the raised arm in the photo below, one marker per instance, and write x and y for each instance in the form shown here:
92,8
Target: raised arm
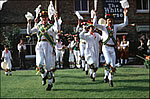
29,30
55,27
120,26
82,34
78,26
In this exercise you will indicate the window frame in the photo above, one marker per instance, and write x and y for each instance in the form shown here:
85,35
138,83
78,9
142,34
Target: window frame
143,10
80,11
31,44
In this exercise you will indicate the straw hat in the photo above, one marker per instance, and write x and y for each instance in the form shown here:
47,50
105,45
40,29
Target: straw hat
3,65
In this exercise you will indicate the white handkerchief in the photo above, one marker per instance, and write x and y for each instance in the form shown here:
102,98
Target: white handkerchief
60,21
95,4
78,15
92,13
51,10
1,3
38,10
29,16
124,4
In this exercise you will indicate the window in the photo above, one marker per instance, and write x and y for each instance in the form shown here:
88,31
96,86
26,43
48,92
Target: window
29,44
82,6
142,6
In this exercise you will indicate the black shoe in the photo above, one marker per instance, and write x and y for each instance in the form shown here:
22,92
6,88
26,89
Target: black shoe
83,69
76,67
86,72
53,79
6,74
49,87
106,79
110,83
91,76
93,79
10,74
43,81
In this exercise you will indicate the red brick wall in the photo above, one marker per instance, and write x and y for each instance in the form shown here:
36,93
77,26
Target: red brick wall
14,10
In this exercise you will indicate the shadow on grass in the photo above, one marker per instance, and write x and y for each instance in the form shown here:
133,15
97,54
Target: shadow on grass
79,83
129,75
130,81
27,75
78,77
71,76
123,88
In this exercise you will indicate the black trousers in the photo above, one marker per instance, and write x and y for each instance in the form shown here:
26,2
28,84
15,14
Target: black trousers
22,60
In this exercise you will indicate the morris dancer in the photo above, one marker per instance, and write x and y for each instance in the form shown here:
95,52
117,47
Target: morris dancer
71,57
75,48
59,53
109,42
92,49
45,53
82,46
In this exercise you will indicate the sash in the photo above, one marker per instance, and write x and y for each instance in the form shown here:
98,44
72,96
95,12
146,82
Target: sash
110,35
43,31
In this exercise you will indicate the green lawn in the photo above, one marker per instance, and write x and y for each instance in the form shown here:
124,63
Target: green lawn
73,83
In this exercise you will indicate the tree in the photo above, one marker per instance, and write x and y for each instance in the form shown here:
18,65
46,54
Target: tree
10,36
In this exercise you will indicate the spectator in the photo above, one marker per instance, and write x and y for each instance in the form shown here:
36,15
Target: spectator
59,54
75,47
118,52
22,49
124,50
148,45
141,50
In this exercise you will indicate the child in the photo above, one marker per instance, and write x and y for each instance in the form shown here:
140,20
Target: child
6,56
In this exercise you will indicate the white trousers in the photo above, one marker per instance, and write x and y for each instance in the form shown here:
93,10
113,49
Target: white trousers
59,54
44,55
82,49
82,53
71,56
9,65
77,56
109,54
110,57
8,61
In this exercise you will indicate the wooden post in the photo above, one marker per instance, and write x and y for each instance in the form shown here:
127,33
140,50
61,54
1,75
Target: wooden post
56,5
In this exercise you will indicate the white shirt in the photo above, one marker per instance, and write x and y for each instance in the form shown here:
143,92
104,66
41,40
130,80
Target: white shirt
148,43
52,31
79,29
21,46
7,56
58,45
124,45
92,47
103,28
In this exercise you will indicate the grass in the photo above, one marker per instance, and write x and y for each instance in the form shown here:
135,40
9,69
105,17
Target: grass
73,83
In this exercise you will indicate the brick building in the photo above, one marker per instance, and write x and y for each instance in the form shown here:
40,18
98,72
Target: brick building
13,12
